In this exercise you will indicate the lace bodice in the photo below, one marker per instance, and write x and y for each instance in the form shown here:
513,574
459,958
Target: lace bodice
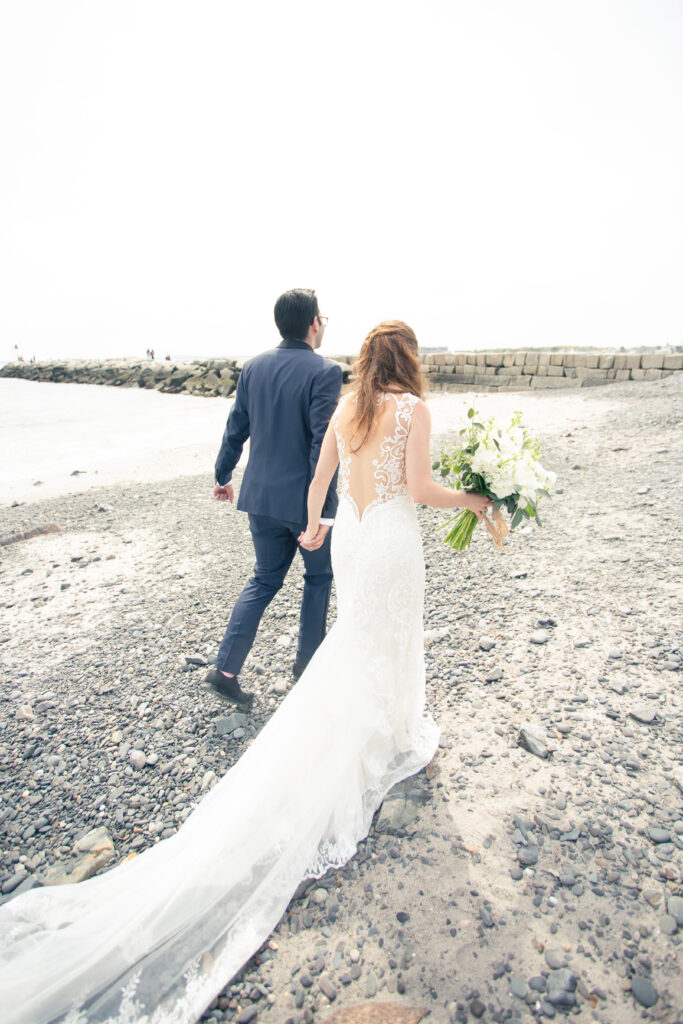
383,457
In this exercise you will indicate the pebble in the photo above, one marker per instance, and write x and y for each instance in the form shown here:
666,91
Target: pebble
674,905
539,636
532,739
249,1014
137,759
327,988
561,987
518,987
644,992
645,715
527,856
11,883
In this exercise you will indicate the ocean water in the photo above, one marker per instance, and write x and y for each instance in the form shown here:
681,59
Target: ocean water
60,438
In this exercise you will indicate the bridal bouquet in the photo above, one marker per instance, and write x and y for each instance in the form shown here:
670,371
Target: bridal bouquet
501,463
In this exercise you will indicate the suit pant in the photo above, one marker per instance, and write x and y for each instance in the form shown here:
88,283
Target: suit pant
275,544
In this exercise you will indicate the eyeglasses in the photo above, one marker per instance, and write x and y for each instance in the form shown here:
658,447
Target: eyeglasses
322,320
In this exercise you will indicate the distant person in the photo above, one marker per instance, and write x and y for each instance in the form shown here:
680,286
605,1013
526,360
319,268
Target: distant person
168,359
284,401
151,353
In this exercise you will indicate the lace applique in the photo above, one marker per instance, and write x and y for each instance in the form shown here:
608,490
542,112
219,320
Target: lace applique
389,469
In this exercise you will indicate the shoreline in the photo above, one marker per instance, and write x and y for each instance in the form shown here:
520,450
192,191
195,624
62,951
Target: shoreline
68,438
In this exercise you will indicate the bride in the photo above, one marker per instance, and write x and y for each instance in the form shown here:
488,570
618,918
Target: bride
155,939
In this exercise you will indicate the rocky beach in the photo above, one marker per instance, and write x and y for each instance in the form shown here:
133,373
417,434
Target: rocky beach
533,871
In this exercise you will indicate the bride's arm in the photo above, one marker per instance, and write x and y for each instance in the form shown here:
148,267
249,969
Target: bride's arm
419,473
317,491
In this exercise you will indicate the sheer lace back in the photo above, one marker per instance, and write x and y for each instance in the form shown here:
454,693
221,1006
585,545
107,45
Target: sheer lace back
376,473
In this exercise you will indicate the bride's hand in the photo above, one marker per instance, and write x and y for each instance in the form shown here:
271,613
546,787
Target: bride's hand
311,540
477,503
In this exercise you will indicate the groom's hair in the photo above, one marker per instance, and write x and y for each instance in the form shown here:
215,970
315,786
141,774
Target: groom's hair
295,312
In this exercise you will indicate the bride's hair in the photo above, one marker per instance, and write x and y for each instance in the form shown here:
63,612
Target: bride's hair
388,361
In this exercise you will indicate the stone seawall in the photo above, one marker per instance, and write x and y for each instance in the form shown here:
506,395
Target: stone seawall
516,371
446,371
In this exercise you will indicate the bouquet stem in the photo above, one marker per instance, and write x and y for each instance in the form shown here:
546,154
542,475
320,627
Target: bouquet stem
462,526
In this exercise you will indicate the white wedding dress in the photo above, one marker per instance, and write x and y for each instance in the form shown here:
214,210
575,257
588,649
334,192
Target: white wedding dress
157,937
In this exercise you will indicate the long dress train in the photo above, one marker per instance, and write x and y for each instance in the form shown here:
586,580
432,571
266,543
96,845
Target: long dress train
156,938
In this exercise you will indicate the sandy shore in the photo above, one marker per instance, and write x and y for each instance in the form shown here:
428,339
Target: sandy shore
499,885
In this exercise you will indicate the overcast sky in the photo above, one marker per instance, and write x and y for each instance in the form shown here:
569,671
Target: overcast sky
493,172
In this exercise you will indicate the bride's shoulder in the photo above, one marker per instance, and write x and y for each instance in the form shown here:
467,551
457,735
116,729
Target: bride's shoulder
412,401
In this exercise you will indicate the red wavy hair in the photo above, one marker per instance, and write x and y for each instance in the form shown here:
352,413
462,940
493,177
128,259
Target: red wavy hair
388,361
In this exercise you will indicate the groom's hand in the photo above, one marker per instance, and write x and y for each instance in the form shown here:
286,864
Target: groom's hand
226,492
316,542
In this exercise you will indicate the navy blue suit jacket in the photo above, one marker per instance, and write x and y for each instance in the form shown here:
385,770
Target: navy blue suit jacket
284,401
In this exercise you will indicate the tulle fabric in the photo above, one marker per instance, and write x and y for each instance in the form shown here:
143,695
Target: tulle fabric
156,938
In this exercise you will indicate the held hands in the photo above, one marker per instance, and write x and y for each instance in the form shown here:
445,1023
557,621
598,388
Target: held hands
311,540
476,503
226,492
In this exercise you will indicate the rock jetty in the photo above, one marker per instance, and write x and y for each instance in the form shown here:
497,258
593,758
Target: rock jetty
207,377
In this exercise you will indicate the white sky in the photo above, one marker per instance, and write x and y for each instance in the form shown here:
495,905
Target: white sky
493,172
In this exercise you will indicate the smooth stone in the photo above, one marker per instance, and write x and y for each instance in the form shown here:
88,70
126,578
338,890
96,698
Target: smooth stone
659,835
644,992
137,759
486,918
668,925
486,644
527,855
644,715
561,986
370,985
539,636
555,959
11,883
674,905
249,1014
518,988
327,988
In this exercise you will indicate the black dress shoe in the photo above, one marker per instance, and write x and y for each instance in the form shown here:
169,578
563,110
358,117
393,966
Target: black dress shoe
298,670
228,688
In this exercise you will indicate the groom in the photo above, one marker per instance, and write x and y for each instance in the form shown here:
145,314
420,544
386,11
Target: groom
284,401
